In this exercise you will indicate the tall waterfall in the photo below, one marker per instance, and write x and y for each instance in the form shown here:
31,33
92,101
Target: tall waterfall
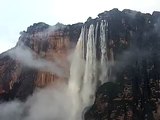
90,75
83,72
76,77
104,58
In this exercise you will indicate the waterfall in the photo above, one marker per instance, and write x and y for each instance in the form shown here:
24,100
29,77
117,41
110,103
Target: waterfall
104,58
96,33
77,65
90,75
76,76
84,70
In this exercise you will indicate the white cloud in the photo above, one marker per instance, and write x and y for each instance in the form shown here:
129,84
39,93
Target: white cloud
46,104
29,58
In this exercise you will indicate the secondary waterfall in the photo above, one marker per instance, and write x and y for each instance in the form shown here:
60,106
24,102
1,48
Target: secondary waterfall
84,68
104,58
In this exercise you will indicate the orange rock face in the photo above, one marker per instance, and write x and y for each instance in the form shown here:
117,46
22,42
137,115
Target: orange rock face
53,46
57,49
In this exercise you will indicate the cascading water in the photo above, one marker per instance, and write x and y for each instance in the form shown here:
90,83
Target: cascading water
83,72
76,76
90,75
104,58
96,33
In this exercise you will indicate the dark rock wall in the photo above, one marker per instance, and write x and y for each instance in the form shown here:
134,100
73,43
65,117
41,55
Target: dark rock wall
135,41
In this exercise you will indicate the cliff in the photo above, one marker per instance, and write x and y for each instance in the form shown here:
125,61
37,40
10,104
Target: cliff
133,38
133,41
20,74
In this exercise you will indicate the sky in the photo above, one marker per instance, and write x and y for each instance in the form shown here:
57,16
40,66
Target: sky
17,15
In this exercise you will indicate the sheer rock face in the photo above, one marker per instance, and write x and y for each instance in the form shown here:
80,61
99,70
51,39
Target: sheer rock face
50,43
133,43
52,46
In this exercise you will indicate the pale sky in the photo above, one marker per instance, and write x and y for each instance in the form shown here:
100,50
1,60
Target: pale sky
17,15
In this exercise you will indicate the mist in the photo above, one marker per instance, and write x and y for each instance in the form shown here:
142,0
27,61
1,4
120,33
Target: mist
12,110
29,58
51,103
